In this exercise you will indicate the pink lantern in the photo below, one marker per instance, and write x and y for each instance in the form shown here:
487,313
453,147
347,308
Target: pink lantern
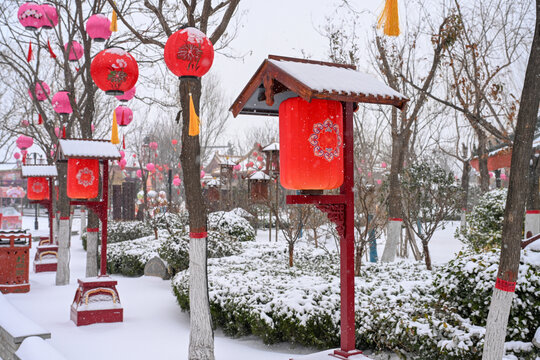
17,156
25,123
160,168
42,91
128,95
134,156
237,167
383,165
52,153
202,173
174,142
92,127
369,174
259,158
122,163
153,145
360,170
24,142
76,51
30,15
379,181
57,131
60,103
124,116
122,154
249,164
504,177
176,181
98,27
139,174
150,167
491,174
50,16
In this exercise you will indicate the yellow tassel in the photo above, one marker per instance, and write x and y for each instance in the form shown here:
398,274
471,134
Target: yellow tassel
389,18
193,119
114,23
114,133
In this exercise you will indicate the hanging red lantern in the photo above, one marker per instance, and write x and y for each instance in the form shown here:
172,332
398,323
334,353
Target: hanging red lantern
124,115
37,188
30,15
122,163
82,178
259,158
153,145
17,156
249,164
202,173
128,95
60,103
98,27
139,173
50,16
76,51
177,181
188,52
150,167
24,142
174,142
25,123
311,144
114,71
42,91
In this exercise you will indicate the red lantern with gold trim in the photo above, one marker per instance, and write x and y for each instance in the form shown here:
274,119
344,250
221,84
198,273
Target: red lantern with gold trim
114,71
311,144
188,52
38,188
83,178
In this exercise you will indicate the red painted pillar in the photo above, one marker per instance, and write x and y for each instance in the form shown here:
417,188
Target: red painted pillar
347,242
50,209
103,217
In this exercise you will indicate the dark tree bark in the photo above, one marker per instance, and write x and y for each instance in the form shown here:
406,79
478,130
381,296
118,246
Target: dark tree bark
465,185
501,300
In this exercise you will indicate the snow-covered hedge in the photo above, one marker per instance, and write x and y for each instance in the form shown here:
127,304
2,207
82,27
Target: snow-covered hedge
119,231
234,225
130,257
484,222
466,284
396,308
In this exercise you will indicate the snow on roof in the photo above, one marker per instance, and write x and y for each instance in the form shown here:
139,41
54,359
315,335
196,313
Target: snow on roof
272,147
259,175
39,170
8,166
213,182
226,161
100,149
323,78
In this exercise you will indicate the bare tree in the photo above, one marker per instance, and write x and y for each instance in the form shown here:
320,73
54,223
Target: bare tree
291,220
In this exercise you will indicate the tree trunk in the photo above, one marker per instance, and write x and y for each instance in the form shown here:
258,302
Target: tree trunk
501,301
465,187
427,256
483,160
291,254
64,232
83,220
92,265
358,259
201,341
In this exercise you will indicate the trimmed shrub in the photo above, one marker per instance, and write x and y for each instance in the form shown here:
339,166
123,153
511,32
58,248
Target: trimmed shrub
119,231
129,257
231,224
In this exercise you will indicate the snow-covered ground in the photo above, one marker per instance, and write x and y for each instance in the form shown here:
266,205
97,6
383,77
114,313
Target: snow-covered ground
153,327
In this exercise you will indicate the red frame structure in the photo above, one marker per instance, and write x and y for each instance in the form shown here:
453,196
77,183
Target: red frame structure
272,84
15,263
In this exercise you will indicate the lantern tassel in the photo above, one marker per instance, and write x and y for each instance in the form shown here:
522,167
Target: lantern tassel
193,119
30,53
53,55
114,22
124,142
114,133
63,132
40,119
389,18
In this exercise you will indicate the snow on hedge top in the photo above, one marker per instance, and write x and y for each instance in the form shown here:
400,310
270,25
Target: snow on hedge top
100,149
329,78
39,170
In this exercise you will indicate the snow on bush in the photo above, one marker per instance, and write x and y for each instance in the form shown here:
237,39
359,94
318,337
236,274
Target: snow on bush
118,231
396,308
234,225
130,257
484,223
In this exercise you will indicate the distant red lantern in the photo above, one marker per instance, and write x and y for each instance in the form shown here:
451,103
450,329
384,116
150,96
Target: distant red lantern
61,104
24,142
153,145
202,173
82,178
122,163
177,181
128,95
249,164
17,156
98,27
311,144
124,115
259,158
139,173
37,188
188,52
42,91
150,167
50,16
174,142
30,15
76,51
114,71
25,123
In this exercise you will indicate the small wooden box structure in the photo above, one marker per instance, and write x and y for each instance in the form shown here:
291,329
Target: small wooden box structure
96,299
14,261
46,258
258,186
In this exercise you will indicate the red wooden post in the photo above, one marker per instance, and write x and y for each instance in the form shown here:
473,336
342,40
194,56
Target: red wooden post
50,210
103,216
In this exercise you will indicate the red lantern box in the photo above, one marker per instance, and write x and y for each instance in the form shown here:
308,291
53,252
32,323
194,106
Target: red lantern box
311,140
14,262
83,178
38,188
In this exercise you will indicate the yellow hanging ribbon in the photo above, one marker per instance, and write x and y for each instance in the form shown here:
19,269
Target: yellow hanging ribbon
114,22
193,118
389,18
114,133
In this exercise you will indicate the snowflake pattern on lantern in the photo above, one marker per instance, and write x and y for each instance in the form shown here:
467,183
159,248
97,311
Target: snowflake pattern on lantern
326,140
37,187
191,53
85,177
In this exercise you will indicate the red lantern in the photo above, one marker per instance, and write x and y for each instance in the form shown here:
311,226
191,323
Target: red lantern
60,103
98,27
174,142
188,52
24,142
30,15
76,51
153,145
150,167
259,158
42,91
128,95
83,178
311,144
38,188
114,71
124,115
17,156
50,16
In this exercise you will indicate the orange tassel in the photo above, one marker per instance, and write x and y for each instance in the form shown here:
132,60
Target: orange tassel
389,18
30,53
53,55
193,119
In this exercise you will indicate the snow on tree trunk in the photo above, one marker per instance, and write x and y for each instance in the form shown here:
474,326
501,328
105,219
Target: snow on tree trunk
62,272
83,220
201,337
499,310
393,234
